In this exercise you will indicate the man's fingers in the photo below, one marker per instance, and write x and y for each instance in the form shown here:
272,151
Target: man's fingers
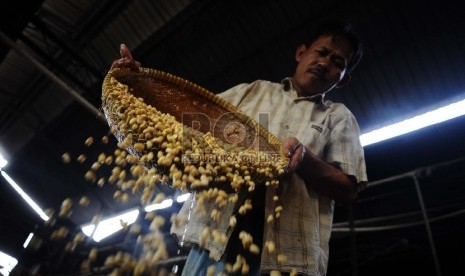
294,150
290,146
124,51
296,157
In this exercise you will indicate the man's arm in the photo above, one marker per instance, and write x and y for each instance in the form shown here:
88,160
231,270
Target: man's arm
318,174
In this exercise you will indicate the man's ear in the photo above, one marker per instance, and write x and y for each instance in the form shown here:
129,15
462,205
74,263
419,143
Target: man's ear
299,51
344,81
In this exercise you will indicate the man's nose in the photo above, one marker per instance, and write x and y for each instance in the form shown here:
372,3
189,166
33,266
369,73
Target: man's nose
323,63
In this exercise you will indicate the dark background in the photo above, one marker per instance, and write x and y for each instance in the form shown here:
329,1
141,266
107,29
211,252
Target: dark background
414,61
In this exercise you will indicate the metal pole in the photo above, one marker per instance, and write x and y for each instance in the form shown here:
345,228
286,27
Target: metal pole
6,40
353,242
427,226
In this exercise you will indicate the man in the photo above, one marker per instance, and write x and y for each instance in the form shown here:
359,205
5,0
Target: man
327,164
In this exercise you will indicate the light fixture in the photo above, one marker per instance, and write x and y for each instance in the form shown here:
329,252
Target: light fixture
28,240
429,118
164,204
111,225
88,229
25,196
182,197
3,162
7,263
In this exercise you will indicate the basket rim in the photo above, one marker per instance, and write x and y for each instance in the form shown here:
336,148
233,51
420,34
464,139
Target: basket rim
186,84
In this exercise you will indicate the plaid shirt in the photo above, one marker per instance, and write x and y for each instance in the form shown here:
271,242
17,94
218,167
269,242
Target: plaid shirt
330,131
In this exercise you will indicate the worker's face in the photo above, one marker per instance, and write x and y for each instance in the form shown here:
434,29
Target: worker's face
322,66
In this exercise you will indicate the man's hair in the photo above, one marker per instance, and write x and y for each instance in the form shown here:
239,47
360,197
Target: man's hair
339,29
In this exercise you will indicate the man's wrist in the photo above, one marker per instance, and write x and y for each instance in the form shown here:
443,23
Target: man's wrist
302,169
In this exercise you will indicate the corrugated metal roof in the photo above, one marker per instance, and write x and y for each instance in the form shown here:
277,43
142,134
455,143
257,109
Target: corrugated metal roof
63,18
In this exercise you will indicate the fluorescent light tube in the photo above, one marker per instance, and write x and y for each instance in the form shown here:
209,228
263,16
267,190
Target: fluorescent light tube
109,226
28,240
25,196
164,204
7,263
182,197
3,162
429,118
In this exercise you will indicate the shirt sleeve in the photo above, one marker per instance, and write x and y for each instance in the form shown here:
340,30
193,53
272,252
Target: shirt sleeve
344,149
236,94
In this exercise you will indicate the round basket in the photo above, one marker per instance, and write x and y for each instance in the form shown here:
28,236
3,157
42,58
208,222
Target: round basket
191,105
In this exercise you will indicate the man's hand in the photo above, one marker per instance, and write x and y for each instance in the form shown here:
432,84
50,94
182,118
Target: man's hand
295,151
319,175
126,60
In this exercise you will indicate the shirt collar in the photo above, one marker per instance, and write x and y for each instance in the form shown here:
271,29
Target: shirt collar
318,98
